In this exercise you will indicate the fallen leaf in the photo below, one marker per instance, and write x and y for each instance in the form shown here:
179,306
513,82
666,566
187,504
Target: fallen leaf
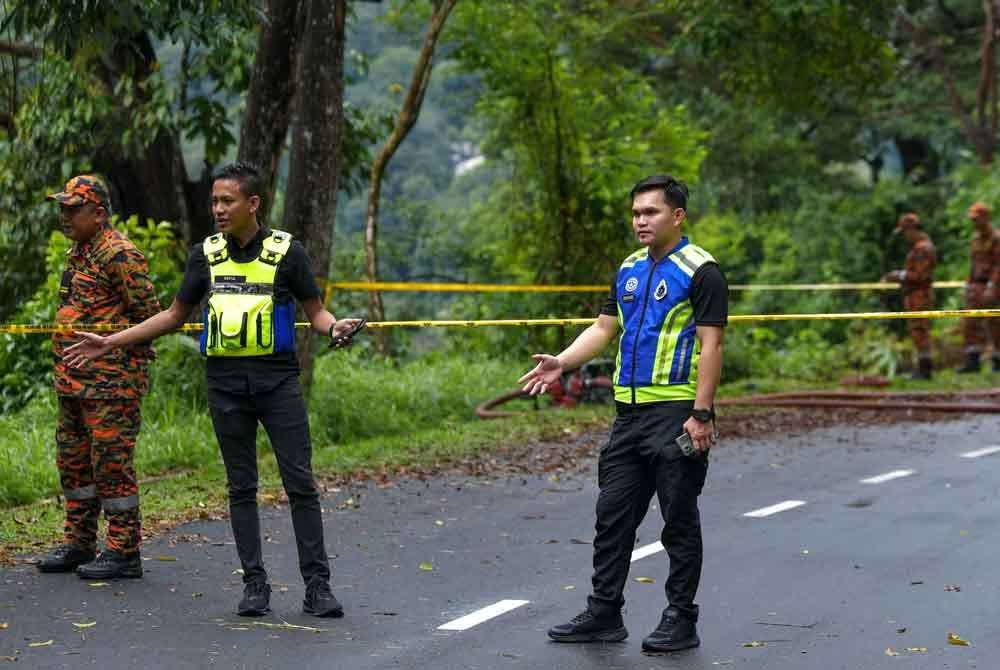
917,650
164,557
805,551
98,585
645,580
85,625
197,594
3,626
957,641
238,571
890,652
41,644
569,588
755,643
439,522
282,589
576,540
953,588
900,630
426,565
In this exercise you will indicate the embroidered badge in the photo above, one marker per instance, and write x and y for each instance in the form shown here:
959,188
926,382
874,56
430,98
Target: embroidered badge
632,284
661,290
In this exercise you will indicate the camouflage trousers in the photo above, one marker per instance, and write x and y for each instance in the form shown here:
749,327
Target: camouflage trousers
918,300
95,444
976,331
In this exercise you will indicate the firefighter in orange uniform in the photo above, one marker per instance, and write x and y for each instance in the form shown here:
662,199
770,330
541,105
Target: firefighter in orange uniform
981,289
916,279
106,281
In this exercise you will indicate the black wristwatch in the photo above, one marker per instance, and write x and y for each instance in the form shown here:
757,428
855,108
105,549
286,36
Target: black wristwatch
703,415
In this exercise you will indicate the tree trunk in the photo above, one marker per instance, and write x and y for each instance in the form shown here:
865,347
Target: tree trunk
405,120
272,89
152,183
311,196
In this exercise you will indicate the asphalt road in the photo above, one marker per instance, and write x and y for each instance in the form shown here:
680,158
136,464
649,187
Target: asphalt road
860,571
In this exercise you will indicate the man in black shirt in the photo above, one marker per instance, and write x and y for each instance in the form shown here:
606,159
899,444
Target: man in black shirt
669,300
252,276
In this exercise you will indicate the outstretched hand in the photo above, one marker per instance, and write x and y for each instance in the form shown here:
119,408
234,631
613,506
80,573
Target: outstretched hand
92,346
547,372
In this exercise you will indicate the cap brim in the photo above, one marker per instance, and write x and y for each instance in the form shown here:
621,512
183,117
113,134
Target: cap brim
66,198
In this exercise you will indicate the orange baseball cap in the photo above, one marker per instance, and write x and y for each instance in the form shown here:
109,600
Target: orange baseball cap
978,209
81,189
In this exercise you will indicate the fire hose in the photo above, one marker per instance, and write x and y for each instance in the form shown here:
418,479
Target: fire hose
926,401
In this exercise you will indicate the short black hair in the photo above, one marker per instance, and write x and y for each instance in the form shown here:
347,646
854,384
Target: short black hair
246,175
675,193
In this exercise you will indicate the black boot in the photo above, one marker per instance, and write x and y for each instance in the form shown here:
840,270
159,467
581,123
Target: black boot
585,627
674,633
971,363
112,565
65,558
320,601
925,369
256,598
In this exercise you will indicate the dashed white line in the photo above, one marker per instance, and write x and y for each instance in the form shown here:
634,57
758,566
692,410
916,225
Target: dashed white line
981,452
888,476
485,614
648,550
774,509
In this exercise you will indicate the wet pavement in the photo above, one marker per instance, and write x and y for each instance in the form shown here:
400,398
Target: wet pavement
858,572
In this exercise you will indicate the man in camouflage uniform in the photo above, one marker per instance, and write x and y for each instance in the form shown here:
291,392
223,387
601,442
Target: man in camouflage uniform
106,281
916,279
981,289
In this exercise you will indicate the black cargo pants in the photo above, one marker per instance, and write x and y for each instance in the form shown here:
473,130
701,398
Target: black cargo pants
640,458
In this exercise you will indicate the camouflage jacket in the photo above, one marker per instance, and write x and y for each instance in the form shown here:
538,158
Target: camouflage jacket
106,281
985,253
919,266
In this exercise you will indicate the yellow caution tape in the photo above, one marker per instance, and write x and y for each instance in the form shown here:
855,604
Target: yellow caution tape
594,288
28,328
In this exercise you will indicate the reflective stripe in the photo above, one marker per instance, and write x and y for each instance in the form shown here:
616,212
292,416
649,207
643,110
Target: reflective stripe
686,264
658,393
82,493
120,504
668,344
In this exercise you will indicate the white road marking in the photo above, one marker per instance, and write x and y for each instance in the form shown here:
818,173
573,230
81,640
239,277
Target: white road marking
888,476
648,550
774,509
479,616
981,452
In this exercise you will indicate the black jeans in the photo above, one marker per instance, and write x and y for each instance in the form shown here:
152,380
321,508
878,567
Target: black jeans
639,459
282,412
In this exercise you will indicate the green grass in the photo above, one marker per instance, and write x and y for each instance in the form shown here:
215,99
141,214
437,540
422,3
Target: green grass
366,415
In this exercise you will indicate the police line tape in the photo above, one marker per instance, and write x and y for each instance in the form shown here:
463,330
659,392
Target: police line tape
30,328
596,288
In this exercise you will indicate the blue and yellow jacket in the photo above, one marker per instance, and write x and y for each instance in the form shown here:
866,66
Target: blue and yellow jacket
658,351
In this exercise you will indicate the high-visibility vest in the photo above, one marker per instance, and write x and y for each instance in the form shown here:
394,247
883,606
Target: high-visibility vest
658,350
241,318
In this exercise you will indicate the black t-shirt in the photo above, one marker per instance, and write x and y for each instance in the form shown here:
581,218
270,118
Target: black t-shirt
293,280
709,297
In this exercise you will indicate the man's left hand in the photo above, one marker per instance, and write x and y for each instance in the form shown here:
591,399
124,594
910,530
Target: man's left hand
702,434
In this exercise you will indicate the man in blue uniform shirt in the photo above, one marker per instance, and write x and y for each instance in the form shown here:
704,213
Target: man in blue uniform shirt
669,302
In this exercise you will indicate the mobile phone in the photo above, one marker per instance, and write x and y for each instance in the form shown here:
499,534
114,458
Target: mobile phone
686,444
345,337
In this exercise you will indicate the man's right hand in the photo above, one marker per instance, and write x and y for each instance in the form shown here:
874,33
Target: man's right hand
547,372
92,346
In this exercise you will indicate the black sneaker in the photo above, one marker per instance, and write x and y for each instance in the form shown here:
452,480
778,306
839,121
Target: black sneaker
111,564
585,627
256,599
674,633
320,601
65,558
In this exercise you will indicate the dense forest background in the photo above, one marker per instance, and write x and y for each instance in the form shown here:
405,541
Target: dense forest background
804,128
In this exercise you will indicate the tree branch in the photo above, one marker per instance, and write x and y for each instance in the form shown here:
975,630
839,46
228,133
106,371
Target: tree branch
21,49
